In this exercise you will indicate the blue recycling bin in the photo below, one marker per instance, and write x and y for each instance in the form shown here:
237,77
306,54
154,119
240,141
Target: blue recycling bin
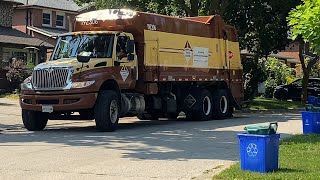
259,153
311,122
313,100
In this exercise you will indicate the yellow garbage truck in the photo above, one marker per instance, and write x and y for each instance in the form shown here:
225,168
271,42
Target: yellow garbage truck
119,63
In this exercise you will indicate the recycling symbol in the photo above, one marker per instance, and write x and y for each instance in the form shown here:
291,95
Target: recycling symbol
252,150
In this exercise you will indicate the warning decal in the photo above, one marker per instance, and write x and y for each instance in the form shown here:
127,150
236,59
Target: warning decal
187,51
124,72
190,101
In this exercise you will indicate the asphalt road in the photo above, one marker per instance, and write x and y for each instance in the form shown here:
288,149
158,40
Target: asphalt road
162,149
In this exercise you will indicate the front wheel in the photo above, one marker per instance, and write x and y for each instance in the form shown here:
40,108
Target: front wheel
34,120
107,111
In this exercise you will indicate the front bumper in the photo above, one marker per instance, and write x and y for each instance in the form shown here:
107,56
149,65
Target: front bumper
61,102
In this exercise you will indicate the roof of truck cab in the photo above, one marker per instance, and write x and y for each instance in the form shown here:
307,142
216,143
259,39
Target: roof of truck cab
88,32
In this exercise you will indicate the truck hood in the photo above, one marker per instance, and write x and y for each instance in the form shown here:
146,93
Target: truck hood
67,62
70,62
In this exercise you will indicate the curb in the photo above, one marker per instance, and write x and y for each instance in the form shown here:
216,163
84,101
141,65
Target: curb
271,111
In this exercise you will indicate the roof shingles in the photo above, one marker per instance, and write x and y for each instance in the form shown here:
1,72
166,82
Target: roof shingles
13,36
68,5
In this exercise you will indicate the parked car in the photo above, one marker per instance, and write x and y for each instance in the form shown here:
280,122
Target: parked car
294,90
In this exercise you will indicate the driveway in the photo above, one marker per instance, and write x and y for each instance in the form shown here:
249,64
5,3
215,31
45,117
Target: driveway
162,149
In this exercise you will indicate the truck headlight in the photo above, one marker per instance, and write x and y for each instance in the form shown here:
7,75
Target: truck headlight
77,85
26,85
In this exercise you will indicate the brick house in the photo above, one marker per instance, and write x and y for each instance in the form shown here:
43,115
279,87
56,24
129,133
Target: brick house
14,43
45,19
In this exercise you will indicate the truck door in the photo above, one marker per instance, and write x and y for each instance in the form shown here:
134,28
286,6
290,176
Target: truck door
125,61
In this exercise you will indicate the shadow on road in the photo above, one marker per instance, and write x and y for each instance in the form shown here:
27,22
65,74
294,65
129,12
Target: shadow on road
157,140
7,104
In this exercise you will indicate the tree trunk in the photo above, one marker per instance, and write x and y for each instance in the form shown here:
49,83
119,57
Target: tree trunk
305,80
306,69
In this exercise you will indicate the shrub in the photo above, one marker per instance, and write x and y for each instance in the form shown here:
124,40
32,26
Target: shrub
17,72
277,73
254,73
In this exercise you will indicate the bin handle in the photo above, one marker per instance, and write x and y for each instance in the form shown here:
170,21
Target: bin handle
276,126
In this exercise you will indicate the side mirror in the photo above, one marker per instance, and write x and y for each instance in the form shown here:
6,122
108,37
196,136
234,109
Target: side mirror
84,57
130,46
130,57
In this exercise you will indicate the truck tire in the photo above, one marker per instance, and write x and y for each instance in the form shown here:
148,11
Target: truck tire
34,120
221,105
202,109
107,111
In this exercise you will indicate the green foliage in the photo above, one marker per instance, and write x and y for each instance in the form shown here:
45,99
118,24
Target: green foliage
298,160
255,73
305,21
315,71
262,24
272,104
277,73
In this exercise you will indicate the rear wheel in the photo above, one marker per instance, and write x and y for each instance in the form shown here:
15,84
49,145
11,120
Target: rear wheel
221,105
202,108
107,111
34,120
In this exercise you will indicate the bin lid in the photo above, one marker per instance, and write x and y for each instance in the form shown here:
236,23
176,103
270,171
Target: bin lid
262,130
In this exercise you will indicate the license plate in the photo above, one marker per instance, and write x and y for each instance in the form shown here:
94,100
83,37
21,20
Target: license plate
47,109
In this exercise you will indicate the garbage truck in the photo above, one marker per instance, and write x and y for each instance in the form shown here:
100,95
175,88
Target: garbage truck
119,63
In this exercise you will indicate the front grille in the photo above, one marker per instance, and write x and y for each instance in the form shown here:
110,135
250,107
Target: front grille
50,78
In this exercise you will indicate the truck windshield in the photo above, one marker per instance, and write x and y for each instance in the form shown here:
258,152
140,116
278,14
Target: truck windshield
98,45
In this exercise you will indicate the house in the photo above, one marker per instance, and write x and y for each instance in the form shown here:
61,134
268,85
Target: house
288,56
14,43
45,19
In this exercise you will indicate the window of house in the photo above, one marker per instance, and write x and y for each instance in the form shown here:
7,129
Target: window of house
46,18
20,55
60,20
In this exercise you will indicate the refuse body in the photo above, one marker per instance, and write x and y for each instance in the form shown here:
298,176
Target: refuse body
311,122
259,148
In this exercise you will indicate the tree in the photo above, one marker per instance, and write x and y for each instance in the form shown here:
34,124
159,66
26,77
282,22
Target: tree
262,28
305,23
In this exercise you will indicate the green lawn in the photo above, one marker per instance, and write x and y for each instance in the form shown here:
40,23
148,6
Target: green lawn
299,159
270,104
10,96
